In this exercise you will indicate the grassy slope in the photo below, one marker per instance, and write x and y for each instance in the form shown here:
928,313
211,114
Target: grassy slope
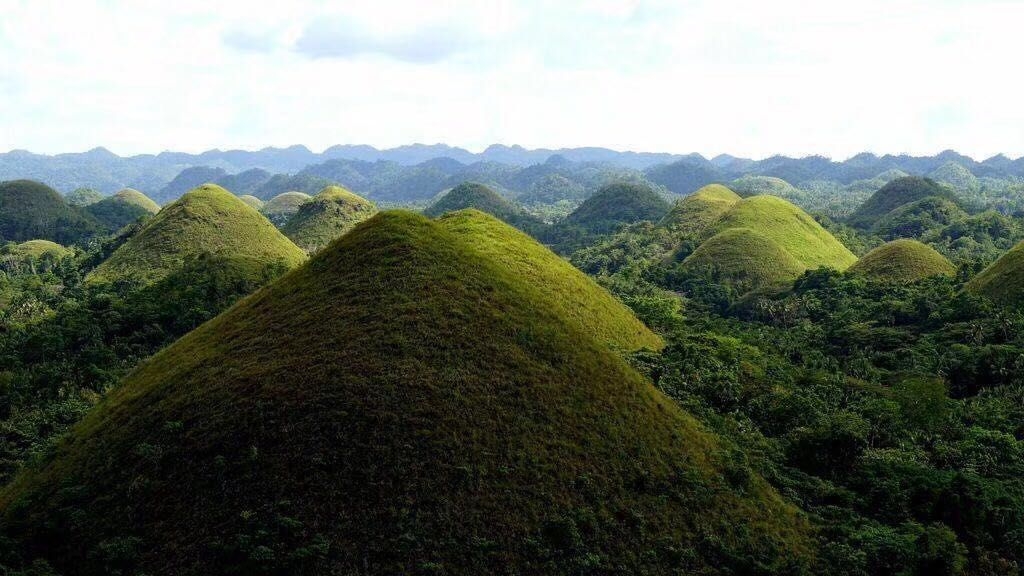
252,201
484,199
37,248
918,217
123,208
327,216
903,261
417,406
208,219
1003,280
30,210
893,195
577,298
789,227
755,185
615,204
134,197
287,203
746,259
694,214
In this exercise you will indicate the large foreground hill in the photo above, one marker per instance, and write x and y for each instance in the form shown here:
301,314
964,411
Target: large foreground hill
402,404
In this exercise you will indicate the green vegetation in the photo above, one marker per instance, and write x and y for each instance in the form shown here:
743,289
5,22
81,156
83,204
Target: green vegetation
697,212
789,227
283,206
1003,281
902,261
915,219
82,197
122,209
744,259
252,201
617,204
39,249
30,210
484,199
326,217
473,430
757,185
896,193
577,298
209,220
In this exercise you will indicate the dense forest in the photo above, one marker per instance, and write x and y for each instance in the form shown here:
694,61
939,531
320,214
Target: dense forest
549,362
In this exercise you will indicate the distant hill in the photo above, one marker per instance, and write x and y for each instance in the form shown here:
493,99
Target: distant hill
789,227
39,249
82,197
1003,280
244,183
617,204
902,261
484,199
687,175
186,180
449,420
915,219
283,206
281,183
957,176
326,217
896,193
694,214
30,211
745,259
755,185
121,209
207,220
252,201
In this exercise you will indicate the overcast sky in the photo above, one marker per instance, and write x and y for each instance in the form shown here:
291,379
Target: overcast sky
750,78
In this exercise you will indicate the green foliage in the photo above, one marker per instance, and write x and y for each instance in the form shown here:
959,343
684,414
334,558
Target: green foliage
326,217
896,193
484,199
283,206
744,259
617,204
209,220
33,211
252,201
918,218
473,427
694,214
123,208
1003,281
902,261
82,197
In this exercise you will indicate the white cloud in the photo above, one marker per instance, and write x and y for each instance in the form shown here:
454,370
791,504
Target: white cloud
744,77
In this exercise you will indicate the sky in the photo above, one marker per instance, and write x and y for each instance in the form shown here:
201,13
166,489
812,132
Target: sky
749,78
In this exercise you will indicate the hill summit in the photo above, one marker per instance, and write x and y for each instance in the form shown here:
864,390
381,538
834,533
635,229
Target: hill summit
695,213
483,198
206,220
903,261
896,193
123,208
616,204
31,210
449,420
283,206
327,216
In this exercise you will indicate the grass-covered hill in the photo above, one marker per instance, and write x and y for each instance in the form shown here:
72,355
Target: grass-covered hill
902,261
745,260
577,297
283,206
447,421
755,185
1003,280
39,249
917,218
790,228
326,216
30,210
81,197
616,204
207,220
485,199
694,214
252,201
122,209
896,193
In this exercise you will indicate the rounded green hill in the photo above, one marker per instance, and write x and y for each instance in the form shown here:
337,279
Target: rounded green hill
917,218
896,193
252,201
1003,280
483,198
746,260
695,213
446,420
207,220
122,209
82,197
789,227
902,261
30,210
283,206
755,185
327,216
40,249
617,204
578,298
